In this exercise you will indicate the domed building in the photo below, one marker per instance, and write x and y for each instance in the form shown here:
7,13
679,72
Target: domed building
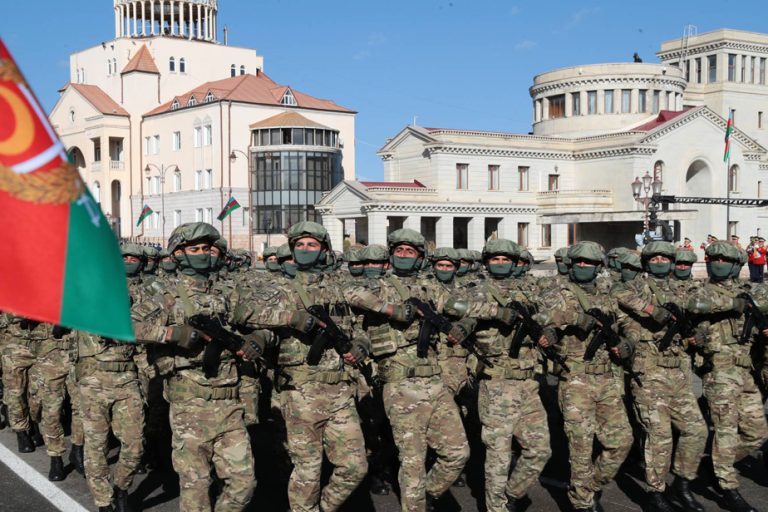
596,128
162,115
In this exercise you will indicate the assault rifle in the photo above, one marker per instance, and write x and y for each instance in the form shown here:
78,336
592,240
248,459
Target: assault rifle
678,324
529,326
331,335
605,335
431,321
221,339
753,317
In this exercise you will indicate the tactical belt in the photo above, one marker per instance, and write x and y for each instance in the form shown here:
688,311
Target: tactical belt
302,375
589,368
181,389
499,372
727,360
398,373
668,362
453,351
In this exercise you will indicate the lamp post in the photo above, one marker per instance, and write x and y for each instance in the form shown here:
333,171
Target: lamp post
233,158
161,173
650,187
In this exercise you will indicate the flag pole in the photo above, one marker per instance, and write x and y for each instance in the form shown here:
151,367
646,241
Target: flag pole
727,159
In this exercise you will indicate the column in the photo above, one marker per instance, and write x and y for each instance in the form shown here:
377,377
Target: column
568,104
190,25
215,32
545,108
173,10
152,16
444,231
162,17
377,228
207,23
335,227
476,234
601,101
117,17
508,227
413,222
199,21
143,19
633,101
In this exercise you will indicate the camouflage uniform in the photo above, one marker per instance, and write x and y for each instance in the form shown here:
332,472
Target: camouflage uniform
733,398
666,398
590,395
206,417
317,400
509,404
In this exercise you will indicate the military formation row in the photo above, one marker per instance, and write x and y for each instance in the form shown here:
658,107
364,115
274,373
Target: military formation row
403,337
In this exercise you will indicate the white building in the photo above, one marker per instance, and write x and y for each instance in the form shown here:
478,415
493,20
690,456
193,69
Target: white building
595,129
156,115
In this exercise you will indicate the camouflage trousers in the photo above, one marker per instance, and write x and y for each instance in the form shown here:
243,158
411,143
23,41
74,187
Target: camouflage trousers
321,418
249,397
666,400
736,410
17,361
206,435
592,406
76,435
454,373
423,414
111,400
512,409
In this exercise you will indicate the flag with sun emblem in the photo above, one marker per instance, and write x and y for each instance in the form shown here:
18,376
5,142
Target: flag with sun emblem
61,262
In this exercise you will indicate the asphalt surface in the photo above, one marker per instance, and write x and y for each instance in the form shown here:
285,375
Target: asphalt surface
158,490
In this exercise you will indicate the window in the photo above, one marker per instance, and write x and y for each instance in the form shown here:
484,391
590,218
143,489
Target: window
733,179
175,104
731,67
576,104
177,181
493,177
733,116
762,71
642,96
752,70
743,69
759,119
626,101
242,70
209,97
245,217
462,171
522,233
147,145
155,219
591,102
698,70
176,218
733,228
546,235
198,180
72,116
232,70
96,150
198,215
288,99
759,189
208,179
712,65
557,106
656,102
198,137
172,65
658,170
182,65
109,67
156,145
554,182
96,192
208,215
609,102
155,184
522,173
207,135
176,141
148,185
192,101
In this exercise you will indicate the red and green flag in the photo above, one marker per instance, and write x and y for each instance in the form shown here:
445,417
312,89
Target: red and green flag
61,262
145,212
231,206
728,130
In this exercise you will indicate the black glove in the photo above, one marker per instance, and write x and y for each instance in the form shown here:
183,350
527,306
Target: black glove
550,335
253,349
586,322
625,349
403,312
358,352
459,332
661,315
739,304
302,321
507,316
186,337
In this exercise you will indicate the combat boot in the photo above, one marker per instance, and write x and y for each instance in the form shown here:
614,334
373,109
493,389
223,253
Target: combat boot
37,437
733,501
515,504
76,458
461,481
657,503
121,500
431,503
681,496
596,506
4,416
378,486
108,508
56,473
25,442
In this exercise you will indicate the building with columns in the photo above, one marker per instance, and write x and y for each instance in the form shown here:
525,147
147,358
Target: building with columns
168,116
595,129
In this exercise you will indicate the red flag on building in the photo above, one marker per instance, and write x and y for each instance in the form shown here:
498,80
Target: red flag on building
61,262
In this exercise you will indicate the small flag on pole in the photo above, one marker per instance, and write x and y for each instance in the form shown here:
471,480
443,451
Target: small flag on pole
145,212
231,206
728,130
46,210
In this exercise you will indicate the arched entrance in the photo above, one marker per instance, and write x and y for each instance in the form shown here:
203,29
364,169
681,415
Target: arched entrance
115,190
77,158
698,182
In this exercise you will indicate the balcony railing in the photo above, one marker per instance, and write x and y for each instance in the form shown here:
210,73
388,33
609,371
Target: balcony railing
116,165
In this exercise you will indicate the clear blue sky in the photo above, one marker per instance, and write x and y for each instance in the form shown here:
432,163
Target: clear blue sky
458,64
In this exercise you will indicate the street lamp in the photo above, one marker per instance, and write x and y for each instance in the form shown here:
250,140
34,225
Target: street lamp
233,158
161,173
650,187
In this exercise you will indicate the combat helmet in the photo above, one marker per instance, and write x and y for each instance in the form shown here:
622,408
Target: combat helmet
137,251
501,247
309,259
630,264
658,248
405,236
587,251
723,259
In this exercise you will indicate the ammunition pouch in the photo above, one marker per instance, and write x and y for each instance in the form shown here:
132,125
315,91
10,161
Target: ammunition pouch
180,389
398,373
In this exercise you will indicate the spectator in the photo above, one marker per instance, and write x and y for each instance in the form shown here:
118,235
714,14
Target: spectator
686,245
756,252
735,242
